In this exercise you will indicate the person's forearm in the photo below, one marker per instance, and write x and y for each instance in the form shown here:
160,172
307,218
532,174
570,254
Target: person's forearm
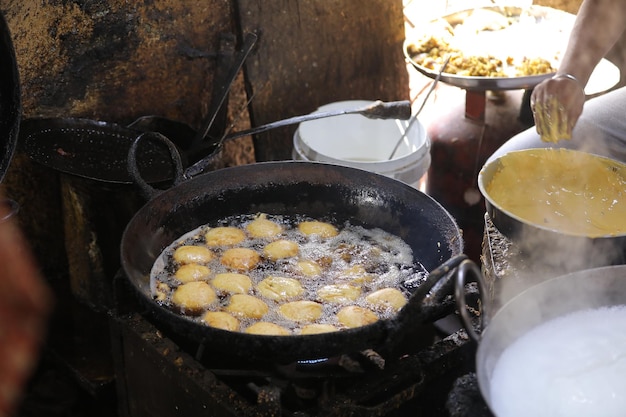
599,24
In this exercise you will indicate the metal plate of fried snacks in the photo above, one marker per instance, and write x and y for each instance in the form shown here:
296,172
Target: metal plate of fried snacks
491,48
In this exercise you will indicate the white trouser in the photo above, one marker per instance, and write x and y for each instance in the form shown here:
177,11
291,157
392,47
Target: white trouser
601,130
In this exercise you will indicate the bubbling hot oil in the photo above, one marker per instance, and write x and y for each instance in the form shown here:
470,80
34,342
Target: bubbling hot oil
370,258
574,365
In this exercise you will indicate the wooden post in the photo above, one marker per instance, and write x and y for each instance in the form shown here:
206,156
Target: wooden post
314,52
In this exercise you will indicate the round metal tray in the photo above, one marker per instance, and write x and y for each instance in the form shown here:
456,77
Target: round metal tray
557,20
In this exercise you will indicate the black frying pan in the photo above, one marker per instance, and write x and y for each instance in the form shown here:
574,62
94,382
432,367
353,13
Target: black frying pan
98,150
10,98
293,187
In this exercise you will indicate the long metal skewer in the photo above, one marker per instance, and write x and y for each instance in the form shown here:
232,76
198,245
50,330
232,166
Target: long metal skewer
414,118
376,110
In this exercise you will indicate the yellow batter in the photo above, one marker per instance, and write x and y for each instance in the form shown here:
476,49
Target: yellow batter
569,191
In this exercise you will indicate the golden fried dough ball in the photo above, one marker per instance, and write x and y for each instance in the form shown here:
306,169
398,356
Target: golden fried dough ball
221,320
232,283
224,236
339,293
280,288
262,227
321,229
268,329
317,328
355,316
161,291
354,271
301,311
192,272
356,274
194,297
248,306
387,298
188,254
241,259
308,268
281,249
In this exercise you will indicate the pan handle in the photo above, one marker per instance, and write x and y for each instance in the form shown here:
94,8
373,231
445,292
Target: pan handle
147,190
435,278
455,271
416,309
468,269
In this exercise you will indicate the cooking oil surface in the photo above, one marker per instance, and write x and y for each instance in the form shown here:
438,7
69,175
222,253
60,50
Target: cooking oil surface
363,259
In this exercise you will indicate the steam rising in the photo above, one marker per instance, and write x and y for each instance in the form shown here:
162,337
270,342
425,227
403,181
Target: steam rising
535,256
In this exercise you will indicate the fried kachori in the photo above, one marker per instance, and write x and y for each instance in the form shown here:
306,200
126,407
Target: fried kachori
284,275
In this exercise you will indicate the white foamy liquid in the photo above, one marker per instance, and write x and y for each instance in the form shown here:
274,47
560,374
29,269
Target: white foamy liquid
571,366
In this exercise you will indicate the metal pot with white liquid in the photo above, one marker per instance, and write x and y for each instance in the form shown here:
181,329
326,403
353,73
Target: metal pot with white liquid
556,349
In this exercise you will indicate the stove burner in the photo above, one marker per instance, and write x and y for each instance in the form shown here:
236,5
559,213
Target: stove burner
161,373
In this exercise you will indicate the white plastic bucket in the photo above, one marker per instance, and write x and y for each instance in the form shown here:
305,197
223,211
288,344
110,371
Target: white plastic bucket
356,141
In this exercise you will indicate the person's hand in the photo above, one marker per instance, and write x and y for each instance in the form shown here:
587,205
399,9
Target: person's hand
557,103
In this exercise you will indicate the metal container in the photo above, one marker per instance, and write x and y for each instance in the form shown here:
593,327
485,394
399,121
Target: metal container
556,297
542,243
